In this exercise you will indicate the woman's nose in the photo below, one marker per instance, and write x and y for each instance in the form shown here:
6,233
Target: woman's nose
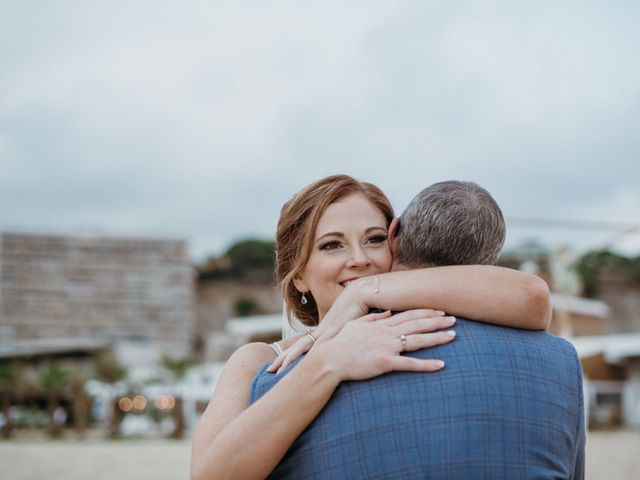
358,258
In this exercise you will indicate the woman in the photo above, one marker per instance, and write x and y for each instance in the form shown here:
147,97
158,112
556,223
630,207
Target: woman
332,259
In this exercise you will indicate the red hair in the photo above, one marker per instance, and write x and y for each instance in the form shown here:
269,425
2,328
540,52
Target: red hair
296,229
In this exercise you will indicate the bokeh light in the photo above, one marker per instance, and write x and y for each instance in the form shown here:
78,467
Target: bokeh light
125,404
165,402
139,403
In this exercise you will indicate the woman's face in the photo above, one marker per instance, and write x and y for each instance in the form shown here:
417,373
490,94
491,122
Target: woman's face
350,242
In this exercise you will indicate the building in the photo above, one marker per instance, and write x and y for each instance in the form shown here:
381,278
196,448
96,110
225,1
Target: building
137,294
611,365
578,316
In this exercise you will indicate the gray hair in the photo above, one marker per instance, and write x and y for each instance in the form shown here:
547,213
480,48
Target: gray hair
450,223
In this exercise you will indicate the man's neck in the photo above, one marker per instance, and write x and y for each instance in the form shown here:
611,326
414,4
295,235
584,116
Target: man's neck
399,267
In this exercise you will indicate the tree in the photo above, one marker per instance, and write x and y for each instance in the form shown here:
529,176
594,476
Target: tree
80,401
54,381
178,368
108,370
247,258
592,263
245,306
8,382
251,255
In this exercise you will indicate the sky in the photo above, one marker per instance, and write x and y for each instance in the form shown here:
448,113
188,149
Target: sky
199,119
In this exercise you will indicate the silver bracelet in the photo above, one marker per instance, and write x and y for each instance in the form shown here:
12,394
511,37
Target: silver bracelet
277,348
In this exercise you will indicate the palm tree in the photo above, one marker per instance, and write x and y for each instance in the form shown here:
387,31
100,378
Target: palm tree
79,401
8,381
178,368
54,380
108,370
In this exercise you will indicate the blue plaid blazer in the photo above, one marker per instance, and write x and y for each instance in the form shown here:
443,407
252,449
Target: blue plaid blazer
508,405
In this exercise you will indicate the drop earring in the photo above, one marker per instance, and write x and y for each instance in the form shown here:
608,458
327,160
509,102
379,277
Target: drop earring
303,299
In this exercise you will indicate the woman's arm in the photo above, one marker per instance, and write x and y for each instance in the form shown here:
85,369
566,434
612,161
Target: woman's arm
235,440
486,293
479,292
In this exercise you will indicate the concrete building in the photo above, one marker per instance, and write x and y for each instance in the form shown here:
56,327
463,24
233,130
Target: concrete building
611,365
578,316
137,294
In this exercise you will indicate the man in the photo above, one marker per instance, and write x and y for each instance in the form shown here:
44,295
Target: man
508,404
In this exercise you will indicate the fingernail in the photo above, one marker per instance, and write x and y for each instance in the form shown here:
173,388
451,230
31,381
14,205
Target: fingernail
451,333
452,319
439,312
440,363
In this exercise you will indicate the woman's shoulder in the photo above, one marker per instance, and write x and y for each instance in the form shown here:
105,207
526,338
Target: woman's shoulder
252,356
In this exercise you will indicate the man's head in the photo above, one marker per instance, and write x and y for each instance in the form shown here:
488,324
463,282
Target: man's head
449,223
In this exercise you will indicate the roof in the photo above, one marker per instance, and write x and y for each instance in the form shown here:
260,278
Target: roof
615,348
254,325
580,305
50,346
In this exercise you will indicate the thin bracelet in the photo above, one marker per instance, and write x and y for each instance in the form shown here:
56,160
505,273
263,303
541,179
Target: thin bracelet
311,335
277,348
376,289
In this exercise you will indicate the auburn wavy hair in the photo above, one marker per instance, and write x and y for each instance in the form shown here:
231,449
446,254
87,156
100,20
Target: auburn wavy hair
296,229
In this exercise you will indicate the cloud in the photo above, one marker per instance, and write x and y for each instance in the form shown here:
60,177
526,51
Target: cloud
201,119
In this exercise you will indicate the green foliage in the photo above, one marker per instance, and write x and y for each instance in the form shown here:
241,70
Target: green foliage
108,370
7,377
246,258
54,379
177,366
591,264
13,379
251,254
245,306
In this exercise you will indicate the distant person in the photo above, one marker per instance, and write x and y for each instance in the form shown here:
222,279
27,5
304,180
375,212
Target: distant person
333,256
508,405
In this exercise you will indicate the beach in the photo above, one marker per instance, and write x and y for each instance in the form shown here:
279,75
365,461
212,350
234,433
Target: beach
610,456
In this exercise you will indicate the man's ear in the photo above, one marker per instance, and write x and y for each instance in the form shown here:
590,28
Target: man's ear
394,228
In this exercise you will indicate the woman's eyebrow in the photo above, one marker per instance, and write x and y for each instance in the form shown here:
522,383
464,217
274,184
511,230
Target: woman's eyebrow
341,235
330,234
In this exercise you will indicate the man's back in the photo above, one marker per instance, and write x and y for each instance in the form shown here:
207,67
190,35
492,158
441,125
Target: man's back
507,405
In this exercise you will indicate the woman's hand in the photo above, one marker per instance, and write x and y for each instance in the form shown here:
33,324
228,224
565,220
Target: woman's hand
371,346
326,332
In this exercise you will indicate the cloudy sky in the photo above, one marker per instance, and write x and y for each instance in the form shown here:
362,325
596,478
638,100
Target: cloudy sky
198,119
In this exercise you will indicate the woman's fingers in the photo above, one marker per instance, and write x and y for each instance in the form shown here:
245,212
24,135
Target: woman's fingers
303,345
426,340
407,315
410,364
323,334
375,317
275,365
423,325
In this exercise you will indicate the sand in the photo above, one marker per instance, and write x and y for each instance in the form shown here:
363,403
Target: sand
610,456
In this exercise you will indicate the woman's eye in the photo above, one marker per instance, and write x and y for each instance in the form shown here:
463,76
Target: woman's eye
378,239
330,245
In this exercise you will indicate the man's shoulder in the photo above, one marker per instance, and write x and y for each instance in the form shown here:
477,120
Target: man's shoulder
525,338
481,347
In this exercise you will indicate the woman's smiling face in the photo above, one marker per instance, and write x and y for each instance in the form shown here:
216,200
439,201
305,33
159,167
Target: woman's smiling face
350,242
